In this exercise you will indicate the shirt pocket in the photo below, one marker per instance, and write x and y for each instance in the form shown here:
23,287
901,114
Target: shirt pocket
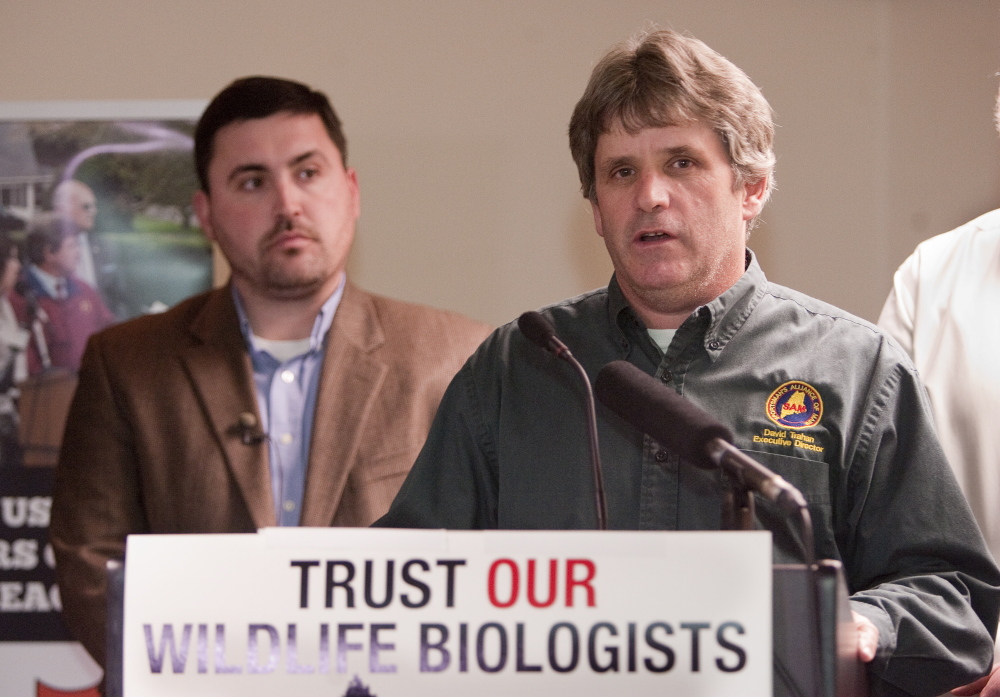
812,479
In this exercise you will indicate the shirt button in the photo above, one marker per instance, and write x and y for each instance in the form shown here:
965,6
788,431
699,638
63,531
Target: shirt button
714,344
289,506
661,455
287,376
667,376
286,438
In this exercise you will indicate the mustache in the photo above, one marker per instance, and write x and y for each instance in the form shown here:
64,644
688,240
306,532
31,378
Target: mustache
282,225
662,221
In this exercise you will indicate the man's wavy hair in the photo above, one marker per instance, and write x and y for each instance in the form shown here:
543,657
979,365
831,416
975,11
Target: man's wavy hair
663,78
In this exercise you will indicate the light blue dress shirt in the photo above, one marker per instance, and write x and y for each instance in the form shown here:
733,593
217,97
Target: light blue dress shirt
286,400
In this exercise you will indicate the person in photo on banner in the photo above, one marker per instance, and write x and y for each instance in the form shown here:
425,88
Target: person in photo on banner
674,147
13,357
70,309
935,312
75,207
287,397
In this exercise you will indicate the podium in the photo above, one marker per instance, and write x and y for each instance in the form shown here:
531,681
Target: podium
668,642
815,651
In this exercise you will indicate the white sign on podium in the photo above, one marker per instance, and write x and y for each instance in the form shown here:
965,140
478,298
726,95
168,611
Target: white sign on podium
354,612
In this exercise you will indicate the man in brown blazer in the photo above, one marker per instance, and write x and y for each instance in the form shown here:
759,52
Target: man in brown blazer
288,397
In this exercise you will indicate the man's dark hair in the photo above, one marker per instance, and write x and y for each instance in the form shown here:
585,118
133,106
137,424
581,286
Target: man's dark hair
48,236
257,98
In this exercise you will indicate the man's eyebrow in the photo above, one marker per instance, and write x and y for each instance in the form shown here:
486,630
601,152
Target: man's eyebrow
681,150
257,167
615,162
670,151
303,157
243,169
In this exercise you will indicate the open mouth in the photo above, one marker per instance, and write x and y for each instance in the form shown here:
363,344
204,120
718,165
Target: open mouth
652,236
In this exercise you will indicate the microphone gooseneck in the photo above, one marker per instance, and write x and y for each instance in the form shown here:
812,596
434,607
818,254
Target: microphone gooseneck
537,329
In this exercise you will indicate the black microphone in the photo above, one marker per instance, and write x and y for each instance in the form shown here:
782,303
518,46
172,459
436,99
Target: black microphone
539,331
657,410
246,429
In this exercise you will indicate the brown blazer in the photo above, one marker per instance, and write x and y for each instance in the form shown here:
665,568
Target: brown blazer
152,443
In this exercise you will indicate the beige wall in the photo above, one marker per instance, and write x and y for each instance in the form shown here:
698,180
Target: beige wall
456,115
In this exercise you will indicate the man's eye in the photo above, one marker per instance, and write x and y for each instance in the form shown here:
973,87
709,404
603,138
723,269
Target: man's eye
251,184
309,173
623,172
683,163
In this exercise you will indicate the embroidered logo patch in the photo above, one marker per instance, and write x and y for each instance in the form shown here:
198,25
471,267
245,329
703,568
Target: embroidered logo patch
795,405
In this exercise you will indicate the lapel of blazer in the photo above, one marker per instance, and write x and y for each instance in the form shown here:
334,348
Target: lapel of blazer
349,384
219,367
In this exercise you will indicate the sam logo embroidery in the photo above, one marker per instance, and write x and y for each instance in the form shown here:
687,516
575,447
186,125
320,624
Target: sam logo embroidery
795,404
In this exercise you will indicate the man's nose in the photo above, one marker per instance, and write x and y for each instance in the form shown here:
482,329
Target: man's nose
653,192
288,197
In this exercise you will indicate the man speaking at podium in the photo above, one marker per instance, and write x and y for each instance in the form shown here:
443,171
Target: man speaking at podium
288,397
674,148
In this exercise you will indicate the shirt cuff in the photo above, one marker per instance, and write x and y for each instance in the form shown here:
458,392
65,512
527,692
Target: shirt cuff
886,631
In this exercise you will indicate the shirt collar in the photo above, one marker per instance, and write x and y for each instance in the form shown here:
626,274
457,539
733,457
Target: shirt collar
719,319
321,325
47,281
727,313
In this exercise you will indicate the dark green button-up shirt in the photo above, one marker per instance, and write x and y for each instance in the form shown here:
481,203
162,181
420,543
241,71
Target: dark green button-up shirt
819,396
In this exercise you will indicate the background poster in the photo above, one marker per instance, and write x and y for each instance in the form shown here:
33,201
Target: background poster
117,177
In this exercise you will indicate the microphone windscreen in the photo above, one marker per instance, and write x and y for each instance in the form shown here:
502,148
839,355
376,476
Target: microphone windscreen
655,409
537,329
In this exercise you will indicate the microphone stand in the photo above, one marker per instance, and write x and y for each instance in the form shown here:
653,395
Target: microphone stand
737,508
600,503
746,475
540,332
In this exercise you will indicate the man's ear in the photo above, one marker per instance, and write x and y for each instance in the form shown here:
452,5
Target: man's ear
203,210
754,198
596,210
352,177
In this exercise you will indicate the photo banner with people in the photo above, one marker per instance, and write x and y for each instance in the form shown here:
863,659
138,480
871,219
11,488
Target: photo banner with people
96,227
